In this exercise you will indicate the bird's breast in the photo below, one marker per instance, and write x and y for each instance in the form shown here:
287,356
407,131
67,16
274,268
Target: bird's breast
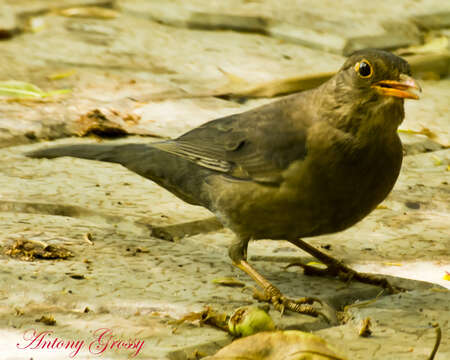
332,188
348,180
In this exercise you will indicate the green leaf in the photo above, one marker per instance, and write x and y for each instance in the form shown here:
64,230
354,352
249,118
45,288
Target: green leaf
20,89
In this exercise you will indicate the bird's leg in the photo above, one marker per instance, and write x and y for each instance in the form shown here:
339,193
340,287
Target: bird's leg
238,253
337,268
273,295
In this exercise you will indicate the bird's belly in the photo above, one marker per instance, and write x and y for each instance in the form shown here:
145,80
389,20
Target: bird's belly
311,203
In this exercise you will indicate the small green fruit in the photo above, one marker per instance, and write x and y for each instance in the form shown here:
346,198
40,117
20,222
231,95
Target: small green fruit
249,320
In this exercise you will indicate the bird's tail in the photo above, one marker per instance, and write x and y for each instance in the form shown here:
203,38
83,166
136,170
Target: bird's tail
102,152
178,175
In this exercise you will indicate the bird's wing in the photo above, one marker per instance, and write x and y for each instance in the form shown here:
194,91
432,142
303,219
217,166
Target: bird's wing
255,145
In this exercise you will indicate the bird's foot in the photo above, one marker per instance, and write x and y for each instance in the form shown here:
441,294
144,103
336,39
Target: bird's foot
346,274
281,303
338,269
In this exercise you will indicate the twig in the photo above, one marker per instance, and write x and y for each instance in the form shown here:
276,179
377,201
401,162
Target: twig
438,340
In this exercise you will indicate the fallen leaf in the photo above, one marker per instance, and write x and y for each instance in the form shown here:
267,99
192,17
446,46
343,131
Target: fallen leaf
62,75
437,161
88,238
96,123
20,89
95,12
77,276
228,281
446,276
278,345
132,119
206,316
382,207
29,250
424,131
317,265
365,330
47,320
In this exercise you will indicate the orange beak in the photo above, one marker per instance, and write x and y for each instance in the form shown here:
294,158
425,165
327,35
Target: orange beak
403,88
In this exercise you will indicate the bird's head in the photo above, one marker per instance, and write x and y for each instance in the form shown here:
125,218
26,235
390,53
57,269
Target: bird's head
368,92
375,74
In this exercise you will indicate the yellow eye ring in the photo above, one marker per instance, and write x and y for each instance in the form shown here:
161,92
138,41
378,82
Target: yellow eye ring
364,69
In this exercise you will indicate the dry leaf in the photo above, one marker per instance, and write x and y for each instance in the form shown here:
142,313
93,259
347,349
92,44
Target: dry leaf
62,75
206,316
228,281
95,12
97,123
365,330
278,345
77,276
423,131
47,320
30,250
88,238
437,161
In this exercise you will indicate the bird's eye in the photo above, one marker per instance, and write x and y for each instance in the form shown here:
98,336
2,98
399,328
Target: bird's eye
364,69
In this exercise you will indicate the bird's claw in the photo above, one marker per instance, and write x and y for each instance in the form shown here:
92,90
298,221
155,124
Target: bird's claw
346,274
281,303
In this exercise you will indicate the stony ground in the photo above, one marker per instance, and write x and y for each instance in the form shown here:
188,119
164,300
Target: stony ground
141,258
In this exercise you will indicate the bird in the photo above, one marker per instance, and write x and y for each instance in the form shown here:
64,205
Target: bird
311,163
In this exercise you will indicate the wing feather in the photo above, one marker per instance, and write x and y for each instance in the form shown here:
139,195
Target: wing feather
238,145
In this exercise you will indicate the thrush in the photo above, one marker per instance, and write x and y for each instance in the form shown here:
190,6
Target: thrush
312,163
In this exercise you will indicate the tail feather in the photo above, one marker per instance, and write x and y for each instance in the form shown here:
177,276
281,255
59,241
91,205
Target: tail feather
109,153
178,175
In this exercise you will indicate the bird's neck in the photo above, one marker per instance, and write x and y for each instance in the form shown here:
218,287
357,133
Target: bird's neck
363,117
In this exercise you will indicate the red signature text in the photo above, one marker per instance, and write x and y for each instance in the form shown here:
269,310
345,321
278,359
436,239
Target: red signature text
103,340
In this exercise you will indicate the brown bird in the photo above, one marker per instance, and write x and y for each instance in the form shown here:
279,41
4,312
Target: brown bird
313,163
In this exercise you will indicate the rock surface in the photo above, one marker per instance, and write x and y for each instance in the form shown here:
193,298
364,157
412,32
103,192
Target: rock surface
87,246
